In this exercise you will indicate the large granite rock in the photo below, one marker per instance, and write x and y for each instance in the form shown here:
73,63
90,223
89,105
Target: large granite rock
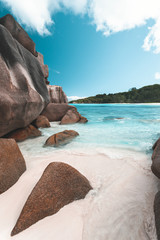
59,185
61,138
57,95
157,214
41,122
24,133
12,164
55,112
23,92
18,33
156,158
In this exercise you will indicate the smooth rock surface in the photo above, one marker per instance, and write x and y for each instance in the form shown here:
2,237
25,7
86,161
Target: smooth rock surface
41,122
55,112
61,138
59,185
24,133
43,66
12,164
23,92
156,158
56,94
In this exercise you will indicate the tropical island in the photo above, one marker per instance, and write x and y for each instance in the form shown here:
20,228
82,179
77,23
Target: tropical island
146,94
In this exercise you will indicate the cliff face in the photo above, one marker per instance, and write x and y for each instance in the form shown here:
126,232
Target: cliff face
57,95
23,91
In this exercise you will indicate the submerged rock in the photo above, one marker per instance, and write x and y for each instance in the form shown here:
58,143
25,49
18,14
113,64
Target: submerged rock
61,138
12,164
41,122
57,95
55,112
23,92
59,185
156,158
83,120
24,133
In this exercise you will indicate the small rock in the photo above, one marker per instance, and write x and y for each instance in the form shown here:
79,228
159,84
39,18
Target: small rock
12,164
61,138
24,133
72,116
41,122
59,185
83,120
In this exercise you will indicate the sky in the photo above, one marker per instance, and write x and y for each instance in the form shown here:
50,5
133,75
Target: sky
93,46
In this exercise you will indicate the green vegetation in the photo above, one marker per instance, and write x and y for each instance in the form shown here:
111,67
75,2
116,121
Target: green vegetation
147,94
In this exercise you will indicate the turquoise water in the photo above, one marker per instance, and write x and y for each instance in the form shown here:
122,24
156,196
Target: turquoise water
129,126
125,125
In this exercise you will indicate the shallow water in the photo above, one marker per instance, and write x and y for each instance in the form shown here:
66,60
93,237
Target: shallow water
114,152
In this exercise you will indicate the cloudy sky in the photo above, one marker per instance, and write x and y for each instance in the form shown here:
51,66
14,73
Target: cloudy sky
94,46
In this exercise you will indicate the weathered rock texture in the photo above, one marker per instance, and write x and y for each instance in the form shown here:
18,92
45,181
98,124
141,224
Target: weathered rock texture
61,138
55,112
157,214
18,33
24,133
156,158
44,67
73,116
59,185
41,122
12,164
23,92
57,95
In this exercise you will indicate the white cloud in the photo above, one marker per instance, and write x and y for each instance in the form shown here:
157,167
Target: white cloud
109,16
70,98
157,75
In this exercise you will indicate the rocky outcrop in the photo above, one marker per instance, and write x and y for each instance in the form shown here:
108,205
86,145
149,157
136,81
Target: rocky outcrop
59,185
73,116
41,122
61,138
12,164
23,92
18,33
24,133
156,158
57,95
55,112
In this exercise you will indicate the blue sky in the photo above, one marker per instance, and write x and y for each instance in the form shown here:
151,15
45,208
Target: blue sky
84,61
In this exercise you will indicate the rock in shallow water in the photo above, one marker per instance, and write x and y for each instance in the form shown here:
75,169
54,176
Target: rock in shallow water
61,138
12,164
59,185
24,133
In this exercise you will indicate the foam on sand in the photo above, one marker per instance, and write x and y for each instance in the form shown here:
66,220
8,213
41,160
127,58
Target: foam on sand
119,207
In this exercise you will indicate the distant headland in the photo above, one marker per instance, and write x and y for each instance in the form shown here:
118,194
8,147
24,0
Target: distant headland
147,94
